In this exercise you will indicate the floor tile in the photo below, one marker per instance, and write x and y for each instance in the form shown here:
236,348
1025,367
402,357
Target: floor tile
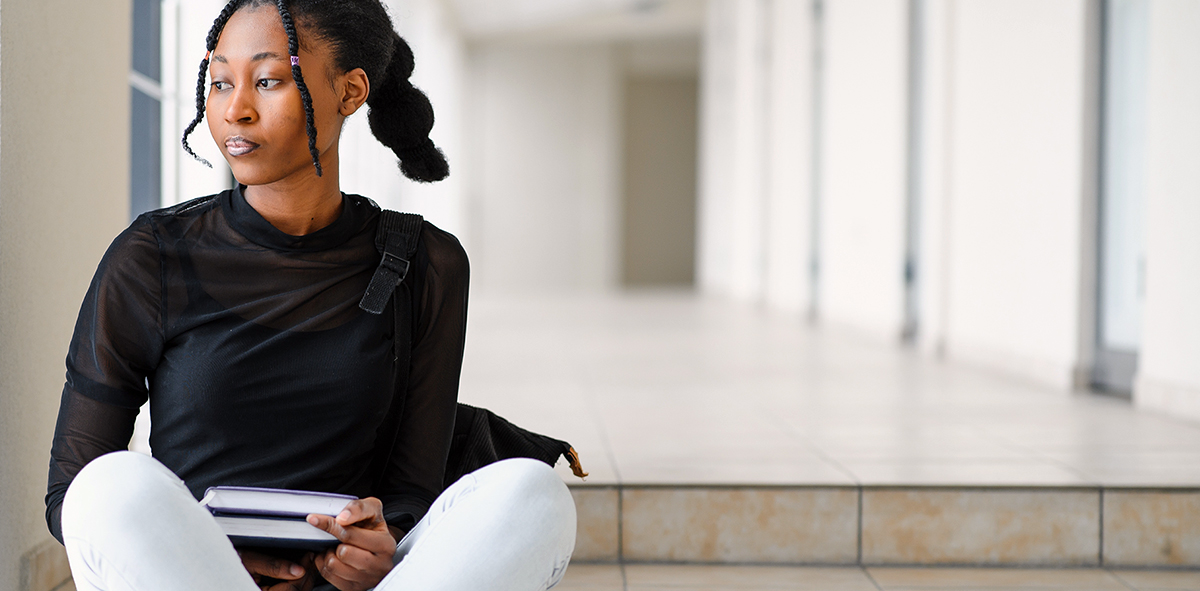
974,526
1030,472
731,472
598,518
994,578
746,577
818,525
1152,528
592,577
1144,580
644,381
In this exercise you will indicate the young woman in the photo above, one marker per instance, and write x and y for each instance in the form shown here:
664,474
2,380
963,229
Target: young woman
237,316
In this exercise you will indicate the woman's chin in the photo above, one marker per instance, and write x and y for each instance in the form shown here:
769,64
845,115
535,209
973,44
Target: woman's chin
249,176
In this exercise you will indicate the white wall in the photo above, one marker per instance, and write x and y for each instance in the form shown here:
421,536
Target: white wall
755,178
863,164
790,155
1169,372
544,157
1017,105
368,168
731,203
64,195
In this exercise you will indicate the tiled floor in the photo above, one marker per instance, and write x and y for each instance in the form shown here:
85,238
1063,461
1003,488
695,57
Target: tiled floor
669,388
589,577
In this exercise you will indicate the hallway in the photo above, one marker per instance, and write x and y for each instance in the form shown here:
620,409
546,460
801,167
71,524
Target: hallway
665,387
718,432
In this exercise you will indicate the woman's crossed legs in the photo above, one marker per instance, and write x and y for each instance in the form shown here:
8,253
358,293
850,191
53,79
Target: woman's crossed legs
131,525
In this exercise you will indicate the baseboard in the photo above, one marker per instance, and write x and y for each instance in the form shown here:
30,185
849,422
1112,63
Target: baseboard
1059,376
1179,400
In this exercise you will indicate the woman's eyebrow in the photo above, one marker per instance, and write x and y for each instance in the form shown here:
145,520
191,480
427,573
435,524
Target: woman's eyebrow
267,55
256,58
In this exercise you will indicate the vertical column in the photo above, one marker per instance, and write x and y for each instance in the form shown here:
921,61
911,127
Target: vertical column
933,171
789,130
1168,375
863,164
732,209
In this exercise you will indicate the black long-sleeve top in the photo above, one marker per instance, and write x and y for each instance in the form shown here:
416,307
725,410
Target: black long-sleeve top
260,368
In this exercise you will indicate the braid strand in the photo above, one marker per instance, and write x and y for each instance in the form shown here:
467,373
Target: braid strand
210,44
294,49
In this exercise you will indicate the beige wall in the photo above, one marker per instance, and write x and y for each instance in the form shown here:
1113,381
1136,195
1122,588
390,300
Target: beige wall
545,182
64,143
660,181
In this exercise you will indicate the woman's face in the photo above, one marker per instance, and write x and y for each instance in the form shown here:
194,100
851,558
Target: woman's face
254,108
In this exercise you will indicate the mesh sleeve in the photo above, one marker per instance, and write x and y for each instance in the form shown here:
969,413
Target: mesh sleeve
414,474
86,430
116,345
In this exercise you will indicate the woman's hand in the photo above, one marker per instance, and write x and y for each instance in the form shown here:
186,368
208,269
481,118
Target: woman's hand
364,556
271,573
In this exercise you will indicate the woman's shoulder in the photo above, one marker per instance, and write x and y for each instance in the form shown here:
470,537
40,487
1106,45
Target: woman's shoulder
138,246
447,257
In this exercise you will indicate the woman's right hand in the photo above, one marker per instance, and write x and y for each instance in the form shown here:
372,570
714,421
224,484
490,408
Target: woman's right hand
272,573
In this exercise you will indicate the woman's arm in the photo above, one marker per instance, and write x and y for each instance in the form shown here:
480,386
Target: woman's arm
414,475
86,430
117,343
370,528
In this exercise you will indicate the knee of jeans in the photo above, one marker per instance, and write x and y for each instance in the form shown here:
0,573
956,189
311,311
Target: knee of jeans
535,480
114,487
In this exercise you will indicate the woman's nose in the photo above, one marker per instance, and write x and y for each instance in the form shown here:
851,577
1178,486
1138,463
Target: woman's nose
241,106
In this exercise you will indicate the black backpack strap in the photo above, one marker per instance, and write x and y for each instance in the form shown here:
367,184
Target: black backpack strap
480,436
396,240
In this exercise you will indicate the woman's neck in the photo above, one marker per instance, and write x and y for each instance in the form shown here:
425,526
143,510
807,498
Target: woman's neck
302,203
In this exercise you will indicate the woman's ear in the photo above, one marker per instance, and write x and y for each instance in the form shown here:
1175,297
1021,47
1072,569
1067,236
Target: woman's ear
355,90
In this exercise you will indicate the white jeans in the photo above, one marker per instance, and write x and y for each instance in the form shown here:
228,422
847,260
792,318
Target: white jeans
130,524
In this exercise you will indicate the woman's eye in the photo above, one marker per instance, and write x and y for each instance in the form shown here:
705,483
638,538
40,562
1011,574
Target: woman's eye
268,83
219,85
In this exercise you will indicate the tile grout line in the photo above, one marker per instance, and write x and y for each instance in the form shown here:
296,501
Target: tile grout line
1120,579
1100,550
867,573
859,541
621,527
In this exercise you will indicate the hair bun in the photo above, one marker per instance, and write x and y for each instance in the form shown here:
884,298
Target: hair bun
425,162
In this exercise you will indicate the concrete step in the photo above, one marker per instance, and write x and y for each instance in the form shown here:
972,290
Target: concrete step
889,525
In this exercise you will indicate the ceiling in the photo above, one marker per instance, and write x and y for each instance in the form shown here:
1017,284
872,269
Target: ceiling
540,21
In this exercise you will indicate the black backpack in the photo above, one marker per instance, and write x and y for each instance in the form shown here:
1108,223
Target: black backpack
480,436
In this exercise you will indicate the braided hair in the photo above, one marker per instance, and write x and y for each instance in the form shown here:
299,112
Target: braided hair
360,34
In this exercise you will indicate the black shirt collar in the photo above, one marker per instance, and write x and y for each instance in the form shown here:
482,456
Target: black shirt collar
255,228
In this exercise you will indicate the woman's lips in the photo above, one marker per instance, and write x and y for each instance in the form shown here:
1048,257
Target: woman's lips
239,146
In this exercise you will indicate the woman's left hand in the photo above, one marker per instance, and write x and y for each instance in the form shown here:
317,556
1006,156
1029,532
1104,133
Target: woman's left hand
364,556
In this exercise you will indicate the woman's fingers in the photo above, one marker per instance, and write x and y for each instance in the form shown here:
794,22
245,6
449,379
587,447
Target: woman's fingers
360,560
259,565
352,569
366,513
378,540
364,556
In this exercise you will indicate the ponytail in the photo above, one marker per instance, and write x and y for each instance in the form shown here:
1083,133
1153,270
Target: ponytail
401,118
